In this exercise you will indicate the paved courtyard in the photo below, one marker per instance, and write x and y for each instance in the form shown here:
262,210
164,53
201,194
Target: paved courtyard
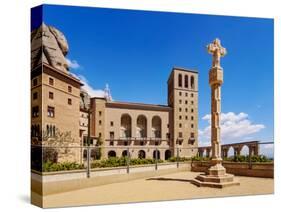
166,187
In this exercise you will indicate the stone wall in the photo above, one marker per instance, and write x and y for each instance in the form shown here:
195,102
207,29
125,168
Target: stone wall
242,169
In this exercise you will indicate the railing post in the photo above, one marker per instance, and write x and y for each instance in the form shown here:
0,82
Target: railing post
156,159
178,158
128,161
88,161
250,159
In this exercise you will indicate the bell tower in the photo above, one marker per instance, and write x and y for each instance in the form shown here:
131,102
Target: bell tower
183,98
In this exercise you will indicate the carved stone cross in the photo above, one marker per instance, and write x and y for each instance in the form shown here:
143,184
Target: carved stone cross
217,51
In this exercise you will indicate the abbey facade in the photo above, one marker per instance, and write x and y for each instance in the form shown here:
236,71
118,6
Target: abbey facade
60,110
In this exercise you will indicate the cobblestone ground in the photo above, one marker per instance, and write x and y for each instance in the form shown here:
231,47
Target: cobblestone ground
166,187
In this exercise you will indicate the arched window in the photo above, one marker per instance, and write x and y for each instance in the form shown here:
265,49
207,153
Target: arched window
186,81
54,131
192,82
125,153
168,154
32,131
141,127
111,154
48,130
156,127
37,132
156,153
180,80
141,154
126,126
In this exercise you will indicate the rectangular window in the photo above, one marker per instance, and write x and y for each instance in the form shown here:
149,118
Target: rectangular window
179,117
51,81
69,101
51,95
35,82
51,112
35,95
180,134
180,109
192,125
111,135
168,135
186,102
192,117
192,110
69,89
180,125
186,110
100,113
99,122
186,117
35,111
111,143
180,93
192,102
111,124
186,94
192,135
99,134
192,95
180,101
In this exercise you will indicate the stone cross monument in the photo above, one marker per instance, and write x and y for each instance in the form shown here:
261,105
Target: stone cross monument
216,175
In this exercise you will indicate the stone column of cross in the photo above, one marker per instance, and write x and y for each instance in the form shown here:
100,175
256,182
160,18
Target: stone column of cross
215,81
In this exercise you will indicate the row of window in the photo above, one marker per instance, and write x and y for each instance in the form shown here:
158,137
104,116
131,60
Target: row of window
186,102
186,94
50,130
186,81
186,118
191,125
186,110
51,83
50,111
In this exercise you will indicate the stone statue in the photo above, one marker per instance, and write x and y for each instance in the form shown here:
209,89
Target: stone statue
217,51
49,46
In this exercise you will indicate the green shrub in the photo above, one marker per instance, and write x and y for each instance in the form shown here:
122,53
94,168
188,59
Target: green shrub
180,159
50,166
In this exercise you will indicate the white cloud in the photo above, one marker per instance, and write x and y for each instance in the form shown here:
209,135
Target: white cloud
234,128
73,64
90,90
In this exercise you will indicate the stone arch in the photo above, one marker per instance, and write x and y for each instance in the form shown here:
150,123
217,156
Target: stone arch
180,80
192,82
156,127
156,152
186,81
111,154
230,152
95,154
124,153
126,126
245,150
168,154
141,127
141,154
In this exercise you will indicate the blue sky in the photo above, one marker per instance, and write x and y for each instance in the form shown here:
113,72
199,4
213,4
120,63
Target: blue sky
134,52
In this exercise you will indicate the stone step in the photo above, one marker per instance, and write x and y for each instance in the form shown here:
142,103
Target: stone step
215,179
214,184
